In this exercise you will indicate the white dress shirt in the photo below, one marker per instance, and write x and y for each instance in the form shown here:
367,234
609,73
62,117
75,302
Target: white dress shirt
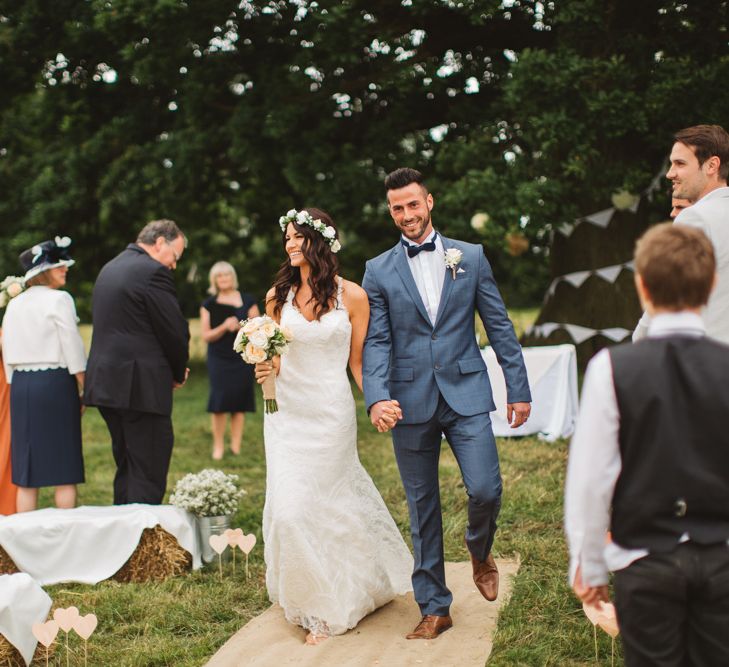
428,269
40,332
594,463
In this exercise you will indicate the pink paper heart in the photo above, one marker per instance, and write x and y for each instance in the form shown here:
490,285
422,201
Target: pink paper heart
85,625
46,632
233,534
608,619
66,618
246,543
592,613
219,543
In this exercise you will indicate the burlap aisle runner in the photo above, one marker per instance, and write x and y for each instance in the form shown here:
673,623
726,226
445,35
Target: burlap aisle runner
379,640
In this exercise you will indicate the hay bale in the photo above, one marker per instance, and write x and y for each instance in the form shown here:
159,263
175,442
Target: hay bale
10,656
7,566
157,557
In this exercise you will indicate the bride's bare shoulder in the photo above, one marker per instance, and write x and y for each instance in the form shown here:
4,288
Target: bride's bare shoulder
352,293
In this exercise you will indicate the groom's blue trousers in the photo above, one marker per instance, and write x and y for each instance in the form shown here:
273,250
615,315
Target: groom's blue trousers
417,449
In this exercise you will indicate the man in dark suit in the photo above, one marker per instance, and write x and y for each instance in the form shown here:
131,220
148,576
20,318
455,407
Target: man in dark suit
139,353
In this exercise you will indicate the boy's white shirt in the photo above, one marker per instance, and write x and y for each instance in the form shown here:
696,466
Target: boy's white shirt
594,462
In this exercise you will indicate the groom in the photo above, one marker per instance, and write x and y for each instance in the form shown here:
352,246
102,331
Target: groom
421,353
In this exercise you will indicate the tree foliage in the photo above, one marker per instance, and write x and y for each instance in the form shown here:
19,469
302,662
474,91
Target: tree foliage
222,114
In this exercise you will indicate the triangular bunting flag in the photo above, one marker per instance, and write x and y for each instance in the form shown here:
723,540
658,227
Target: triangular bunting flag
601,218
616,334
577,278
566,228
610,273
546,329
579,334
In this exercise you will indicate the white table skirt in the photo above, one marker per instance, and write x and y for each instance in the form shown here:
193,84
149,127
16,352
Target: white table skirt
22,603
88,544
552,372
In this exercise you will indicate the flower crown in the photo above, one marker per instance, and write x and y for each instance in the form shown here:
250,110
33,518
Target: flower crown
304,218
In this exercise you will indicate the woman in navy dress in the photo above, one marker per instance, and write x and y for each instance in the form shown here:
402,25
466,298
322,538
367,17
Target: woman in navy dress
44,362
231,379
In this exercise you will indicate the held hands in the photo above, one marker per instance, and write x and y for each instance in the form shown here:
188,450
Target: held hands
384,415
590,595
517,413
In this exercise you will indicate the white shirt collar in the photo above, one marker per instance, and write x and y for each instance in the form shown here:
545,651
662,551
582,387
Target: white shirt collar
723,191
680,323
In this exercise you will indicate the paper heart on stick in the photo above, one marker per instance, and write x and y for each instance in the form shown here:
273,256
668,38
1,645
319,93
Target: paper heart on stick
604,616
608,620
219,543
593,613
66,618
246,543
85,625
46,632
233,535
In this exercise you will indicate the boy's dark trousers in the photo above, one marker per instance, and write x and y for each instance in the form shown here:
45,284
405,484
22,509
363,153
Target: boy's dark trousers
673,609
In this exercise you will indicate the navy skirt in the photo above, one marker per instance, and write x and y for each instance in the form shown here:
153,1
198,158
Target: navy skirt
45,429
232,384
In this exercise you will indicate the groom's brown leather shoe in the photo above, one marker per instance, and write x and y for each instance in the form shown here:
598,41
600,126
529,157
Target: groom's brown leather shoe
430,627
486,577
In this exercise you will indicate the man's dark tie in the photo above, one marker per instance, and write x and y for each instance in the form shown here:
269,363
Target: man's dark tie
413,250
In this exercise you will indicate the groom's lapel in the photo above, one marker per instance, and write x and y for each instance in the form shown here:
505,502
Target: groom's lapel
402,267
448,283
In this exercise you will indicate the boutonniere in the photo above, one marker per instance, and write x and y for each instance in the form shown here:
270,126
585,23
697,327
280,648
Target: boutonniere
452,260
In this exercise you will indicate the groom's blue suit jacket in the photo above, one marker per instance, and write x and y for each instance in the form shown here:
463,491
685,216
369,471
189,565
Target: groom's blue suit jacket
409,359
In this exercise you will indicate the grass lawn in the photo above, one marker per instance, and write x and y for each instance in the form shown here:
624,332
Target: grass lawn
183,621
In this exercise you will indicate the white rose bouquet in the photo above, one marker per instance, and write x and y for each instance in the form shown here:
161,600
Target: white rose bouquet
10,288
260,339
208,493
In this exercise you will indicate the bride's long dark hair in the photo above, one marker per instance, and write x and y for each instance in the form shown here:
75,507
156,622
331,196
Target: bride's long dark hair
324,267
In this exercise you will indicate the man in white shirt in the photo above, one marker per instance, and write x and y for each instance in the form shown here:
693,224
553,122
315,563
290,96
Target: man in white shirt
649,461
698,172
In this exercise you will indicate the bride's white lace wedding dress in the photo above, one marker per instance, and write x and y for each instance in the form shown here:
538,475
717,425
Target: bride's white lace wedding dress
333,552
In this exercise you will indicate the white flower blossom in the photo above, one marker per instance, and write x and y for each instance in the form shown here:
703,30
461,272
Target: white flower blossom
259,338
254,354
453,257
336,246
208,493
329,232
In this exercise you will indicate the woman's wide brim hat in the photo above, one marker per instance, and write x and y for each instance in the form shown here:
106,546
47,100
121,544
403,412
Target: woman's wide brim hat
45,256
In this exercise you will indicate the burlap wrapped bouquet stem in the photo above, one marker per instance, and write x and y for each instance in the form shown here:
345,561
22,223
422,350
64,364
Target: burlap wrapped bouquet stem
157,557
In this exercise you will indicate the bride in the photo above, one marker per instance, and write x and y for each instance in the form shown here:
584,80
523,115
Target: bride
333,552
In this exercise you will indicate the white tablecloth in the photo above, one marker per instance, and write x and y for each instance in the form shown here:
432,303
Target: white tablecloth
88,544
22,603
552,372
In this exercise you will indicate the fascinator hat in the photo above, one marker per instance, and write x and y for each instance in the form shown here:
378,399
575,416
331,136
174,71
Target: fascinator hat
45,256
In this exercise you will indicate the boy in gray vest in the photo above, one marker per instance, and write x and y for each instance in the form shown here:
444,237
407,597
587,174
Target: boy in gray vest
649,462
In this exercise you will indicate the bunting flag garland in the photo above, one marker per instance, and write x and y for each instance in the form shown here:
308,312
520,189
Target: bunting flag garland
576,278
578,333
602,218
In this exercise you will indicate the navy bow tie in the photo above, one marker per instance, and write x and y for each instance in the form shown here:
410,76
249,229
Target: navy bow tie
413,250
